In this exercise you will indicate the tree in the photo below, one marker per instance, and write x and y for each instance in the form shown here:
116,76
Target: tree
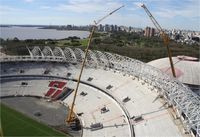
1,40
15,39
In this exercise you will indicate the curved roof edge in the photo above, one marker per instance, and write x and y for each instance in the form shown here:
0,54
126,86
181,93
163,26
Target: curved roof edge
180,96
186,68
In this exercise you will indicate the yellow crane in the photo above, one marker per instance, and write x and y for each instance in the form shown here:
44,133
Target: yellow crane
70,117
164,36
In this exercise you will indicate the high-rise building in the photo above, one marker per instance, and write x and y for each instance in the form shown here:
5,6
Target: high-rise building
149,32
106,28
111,27
115,28
100,27
152,32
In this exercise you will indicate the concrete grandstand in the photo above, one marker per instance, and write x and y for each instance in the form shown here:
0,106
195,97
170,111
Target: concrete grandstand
123,96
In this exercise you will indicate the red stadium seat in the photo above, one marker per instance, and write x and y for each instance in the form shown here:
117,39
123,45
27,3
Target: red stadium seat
50,92
57,93
57,84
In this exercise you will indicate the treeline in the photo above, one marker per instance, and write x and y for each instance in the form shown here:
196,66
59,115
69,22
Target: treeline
133,45
137,46
19,47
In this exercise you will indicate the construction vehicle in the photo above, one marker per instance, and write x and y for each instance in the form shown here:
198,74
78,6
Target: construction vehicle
164,36
71,118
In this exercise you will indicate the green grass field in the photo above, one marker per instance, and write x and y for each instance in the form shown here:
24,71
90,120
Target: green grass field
84,42
16,124
62,42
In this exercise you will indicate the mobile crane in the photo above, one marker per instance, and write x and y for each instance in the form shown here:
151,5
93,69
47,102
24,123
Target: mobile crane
164,36
70,117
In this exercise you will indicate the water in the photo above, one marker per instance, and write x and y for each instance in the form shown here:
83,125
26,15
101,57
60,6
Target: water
23,33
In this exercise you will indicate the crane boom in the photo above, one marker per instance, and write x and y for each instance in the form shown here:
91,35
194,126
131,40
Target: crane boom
70,117
164,36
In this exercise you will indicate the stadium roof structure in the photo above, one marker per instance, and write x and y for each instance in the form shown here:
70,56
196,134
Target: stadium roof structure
141,83
187,68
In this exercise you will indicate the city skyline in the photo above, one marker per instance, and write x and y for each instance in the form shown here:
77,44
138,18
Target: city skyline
169,13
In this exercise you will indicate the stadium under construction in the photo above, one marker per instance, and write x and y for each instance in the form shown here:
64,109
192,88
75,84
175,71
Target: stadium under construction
118,96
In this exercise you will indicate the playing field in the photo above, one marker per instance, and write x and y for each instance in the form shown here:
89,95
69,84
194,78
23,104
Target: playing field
17,124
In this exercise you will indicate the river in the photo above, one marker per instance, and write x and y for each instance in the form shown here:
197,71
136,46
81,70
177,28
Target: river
23,33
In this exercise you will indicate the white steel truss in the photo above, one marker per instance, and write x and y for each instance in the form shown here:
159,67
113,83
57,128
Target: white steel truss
177,94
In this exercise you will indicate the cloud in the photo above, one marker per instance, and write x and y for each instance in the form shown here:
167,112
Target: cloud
134,6
28,1
138,4
169,13
45,7
169,9
4,10
128,20
88,6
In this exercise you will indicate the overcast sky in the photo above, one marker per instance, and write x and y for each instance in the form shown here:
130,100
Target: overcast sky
178,14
